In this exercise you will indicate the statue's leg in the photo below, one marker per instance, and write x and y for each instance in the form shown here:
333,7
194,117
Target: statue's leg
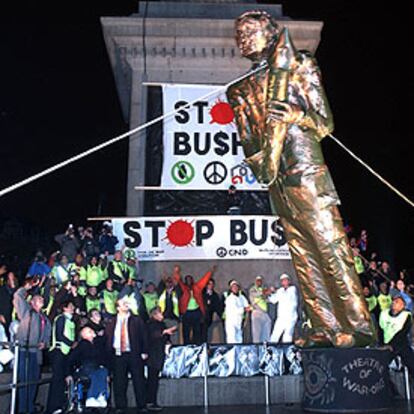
315,293
320,252
342,279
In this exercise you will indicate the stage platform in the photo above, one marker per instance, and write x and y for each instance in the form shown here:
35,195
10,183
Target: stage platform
399,408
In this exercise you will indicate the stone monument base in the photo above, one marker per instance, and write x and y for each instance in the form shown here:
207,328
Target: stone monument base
346,380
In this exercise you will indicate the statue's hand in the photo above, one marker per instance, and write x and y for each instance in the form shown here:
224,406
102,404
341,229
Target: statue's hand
284,112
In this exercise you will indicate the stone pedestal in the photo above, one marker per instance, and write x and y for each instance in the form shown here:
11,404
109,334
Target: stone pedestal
179,42
346,380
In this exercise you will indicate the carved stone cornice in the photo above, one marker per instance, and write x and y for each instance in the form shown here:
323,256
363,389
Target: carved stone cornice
191,50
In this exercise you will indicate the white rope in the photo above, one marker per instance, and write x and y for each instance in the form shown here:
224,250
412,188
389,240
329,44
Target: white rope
168,114
120,137
372,171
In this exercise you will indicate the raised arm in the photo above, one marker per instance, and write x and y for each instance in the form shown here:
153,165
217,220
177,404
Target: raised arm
20,304
177,277
202,283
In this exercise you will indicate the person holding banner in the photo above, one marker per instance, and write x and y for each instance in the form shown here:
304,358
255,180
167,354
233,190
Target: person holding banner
191,304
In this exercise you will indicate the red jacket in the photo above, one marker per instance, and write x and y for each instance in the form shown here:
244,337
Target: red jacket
197,292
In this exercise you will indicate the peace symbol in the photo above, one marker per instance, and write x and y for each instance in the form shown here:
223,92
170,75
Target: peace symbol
215,172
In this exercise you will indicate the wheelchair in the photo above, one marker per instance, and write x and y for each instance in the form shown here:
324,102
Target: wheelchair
77,395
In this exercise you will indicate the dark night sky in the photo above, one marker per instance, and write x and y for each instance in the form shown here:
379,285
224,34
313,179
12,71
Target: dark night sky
58,97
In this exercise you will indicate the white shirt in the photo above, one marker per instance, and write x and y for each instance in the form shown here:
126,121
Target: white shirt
287,300
235,308
117,335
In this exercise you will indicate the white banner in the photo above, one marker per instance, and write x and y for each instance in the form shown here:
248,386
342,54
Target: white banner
202,149
202,237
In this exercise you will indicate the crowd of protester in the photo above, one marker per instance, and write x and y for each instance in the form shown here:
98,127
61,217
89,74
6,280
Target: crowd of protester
86,306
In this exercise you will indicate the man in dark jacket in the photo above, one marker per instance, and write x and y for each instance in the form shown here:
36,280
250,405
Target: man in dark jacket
7,291
158,337
90,245
107,241
127,343
214,311
69,243
89,357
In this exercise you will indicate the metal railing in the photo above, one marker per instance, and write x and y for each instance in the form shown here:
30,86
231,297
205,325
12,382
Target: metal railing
15,385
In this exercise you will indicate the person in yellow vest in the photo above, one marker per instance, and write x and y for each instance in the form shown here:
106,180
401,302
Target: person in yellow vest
371,299
372,303
77,274
63,340
95,275
168,303
396,325
60,271
117,270
358,261
384,298
373,306
77,267
109,296
150,296
92,300
261,322
131,264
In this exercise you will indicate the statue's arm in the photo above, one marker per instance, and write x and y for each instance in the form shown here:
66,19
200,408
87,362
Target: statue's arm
317,114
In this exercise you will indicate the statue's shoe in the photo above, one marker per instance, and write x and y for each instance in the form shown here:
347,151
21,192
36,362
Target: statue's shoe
362,340
344,340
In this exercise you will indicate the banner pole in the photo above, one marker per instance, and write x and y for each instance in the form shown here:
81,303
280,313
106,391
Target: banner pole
407,384
205,379
152,188
267,391
14,379
266,379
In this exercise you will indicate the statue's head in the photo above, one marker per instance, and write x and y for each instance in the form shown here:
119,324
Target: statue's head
256,31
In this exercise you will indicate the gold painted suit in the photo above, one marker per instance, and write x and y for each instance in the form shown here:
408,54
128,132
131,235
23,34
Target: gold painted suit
289,159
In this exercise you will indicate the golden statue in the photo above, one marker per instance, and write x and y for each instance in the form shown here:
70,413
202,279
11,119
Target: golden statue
282,114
